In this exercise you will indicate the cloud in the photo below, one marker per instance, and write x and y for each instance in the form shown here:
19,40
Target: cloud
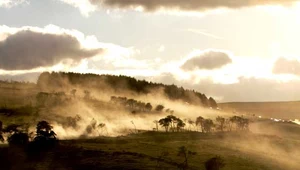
187,5
285,66
87,6
84,6
207,60
11,3
28,49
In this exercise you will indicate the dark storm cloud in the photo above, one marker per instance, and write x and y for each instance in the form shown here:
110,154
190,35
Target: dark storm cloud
285,66
208,60
188,5
27,50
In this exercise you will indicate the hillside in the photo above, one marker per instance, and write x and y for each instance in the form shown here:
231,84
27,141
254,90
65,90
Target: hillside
120,85
279,110
14,94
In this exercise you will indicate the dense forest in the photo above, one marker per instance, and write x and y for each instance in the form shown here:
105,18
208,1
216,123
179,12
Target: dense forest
102,83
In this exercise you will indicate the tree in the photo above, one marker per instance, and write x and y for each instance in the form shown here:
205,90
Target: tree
165,122
200,122
207,125
191,123
91,127
174,120
212,103
134,126
148,107
44,131
180,124
156,125
159,108
17,136
215,163
240,122
102,127
221,122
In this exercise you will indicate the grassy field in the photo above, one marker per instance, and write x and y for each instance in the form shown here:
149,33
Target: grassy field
241,151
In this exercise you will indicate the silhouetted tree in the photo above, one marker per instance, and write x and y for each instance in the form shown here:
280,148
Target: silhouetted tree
221,122
134,126
191,123
156,125
102,127
148,107
215,163
180,124
207,125
165,122
44,131
212,103
240,122
200,122
159,108
16,136
174,120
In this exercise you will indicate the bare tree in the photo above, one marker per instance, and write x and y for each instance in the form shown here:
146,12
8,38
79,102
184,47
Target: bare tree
156,124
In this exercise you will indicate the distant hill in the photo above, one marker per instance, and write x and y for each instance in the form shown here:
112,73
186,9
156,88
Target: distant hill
282,110
118,84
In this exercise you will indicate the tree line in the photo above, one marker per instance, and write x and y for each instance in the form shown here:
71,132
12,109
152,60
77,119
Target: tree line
18,135
172,123
138,106
56,80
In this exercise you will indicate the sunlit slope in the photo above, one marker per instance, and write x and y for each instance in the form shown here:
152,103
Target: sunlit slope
280,110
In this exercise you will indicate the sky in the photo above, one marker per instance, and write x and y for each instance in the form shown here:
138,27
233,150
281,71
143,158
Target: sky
232,50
